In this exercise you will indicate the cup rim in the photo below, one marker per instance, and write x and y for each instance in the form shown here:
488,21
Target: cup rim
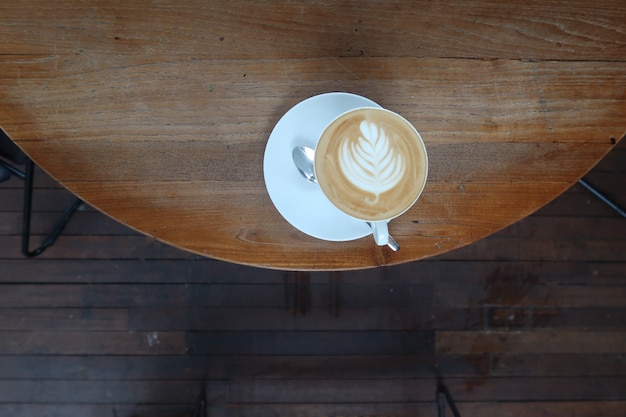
421,141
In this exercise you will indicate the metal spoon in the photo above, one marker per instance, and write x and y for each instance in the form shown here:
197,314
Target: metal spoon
304,159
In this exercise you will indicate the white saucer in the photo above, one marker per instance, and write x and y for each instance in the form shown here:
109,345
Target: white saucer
301,203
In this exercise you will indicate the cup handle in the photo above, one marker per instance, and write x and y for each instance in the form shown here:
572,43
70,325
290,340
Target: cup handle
380,232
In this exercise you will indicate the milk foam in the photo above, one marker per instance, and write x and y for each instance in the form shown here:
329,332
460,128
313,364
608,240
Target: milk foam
371,163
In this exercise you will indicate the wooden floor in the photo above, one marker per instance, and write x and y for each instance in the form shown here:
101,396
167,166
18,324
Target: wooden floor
528,322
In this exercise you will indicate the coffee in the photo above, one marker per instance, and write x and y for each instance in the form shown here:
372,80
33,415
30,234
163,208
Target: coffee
371,163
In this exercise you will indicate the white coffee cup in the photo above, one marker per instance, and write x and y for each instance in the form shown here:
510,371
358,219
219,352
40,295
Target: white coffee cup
371,163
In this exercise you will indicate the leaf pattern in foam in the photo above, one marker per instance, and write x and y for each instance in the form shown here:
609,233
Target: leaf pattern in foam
370,163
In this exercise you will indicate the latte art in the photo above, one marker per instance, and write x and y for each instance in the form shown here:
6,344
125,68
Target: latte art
371,163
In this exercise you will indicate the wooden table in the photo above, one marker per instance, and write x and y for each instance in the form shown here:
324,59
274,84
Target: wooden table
157,113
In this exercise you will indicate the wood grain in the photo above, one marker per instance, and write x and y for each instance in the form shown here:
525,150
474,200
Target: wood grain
249,29
111,323
158,114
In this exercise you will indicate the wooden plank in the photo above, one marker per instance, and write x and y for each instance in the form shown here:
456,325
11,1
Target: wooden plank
81,223
516,342
203,296
93,296
516,293
599,33
565,34
474,409
559,364
87,319
91,343
506,409
198,367
94,392
315,319
328,410
584,318
497,248
469,273
153,271
43,199
556,318
82,410
538,228
343,391
311,343
500,274
96,247
544,409
582,204
421,390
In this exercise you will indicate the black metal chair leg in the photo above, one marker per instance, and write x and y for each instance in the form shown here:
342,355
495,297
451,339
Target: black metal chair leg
28,199
443,396
200,408
602,197
14,171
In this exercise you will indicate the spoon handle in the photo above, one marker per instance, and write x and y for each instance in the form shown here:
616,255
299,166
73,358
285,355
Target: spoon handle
393,245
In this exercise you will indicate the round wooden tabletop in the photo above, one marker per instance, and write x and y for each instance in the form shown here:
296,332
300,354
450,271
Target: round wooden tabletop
158,113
